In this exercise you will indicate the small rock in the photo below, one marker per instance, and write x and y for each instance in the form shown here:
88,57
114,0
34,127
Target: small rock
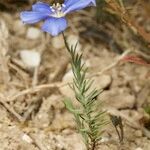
102,82
31,59
68,77
58,42
104,139
139,148
117,99
138,116
26,138
19,27
33,33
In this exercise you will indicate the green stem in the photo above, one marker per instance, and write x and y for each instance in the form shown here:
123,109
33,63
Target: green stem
93,145
86,122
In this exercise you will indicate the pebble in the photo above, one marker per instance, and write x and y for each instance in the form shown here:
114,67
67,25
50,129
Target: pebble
26,138
139,148
102,82
31,59
68,77
19,27
115,98
33,33
104,139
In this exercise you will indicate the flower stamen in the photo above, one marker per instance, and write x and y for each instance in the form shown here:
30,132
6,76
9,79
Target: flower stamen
57,10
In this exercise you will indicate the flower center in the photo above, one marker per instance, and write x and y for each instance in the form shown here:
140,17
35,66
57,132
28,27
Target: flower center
57,10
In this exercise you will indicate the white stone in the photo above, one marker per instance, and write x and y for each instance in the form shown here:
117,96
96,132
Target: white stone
31,59
139,148
33,33
26,138
68,77
104,139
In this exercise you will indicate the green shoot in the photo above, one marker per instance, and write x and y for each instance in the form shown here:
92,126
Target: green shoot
89,117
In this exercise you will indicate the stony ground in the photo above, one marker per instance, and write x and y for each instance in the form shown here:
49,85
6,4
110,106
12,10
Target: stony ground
34,70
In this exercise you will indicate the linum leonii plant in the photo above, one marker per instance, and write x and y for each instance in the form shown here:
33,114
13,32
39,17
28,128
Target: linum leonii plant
89,116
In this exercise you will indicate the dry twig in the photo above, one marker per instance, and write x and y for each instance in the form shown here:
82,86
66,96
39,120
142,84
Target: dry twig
60,84
113,64
36,89
9,108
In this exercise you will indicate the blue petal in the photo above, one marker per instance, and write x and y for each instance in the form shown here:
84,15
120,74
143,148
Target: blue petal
73,5
32,17
41,7
54,25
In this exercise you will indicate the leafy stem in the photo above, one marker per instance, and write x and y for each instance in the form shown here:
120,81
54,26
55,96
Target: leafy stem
89,116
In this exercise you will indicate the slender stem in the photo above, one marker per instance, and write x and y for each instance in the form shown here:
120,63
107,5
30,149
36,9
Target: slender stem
65,41
93,145
81,95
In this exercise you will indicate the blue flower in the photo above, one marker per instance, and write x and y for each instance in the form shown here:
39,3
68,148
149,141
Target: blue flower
54,16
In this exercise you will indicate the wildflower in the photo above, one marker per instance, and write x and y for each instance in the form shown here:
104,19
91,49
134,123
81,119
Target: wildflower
54,15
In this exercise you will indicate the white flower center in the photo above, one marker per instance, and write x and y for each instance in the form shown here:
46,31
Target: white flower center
57,10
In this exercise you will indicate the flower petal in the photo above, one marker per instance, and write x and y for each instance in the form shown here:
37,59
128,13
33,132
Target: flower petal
73,5
32,17
41,7
54,25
